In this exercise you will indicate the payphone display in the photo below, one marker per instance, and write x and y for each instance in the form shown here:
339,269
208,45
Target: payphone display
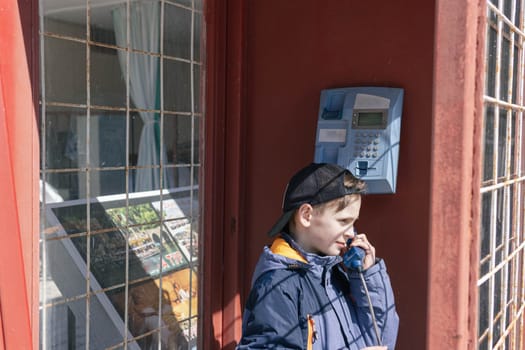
359,129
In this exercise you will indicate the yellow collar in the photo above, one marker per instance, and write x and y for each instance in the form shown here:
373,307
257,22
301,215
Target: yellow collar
281,247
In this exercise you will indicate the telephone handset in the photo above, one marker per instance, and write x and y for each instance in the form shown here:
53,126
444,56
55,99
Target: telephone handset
353,258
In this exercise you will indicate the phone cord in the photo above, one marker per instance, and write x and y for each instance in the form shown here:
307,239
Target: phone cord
371,309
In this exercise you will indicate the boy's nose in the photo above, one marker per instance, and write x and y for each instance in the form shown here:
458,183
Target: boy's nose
350,233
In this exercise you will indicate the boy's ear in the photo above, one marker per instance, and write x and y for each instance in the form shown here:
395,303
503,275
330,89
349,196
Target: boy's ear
304,215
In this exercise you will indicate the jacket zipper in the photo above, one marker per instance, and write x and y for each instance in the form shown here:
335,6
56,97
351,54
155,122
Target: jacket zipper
312,332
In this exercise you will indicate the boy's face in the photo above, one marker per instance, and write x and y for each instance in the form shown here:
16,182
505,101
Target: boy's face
330,229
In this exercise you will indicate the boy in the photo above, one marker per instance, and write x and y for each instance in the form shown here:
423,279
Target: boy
302,297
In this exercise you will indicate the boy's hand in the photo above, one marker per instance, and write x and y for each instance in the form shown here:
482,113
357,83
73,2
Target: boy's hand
361,241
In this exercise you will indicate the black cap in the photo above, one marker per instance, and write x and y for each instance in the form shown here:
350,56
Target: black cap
315,184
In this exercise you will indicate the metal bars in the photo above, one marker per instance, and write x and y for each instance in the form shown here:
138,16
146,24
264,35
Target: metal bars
502,244
120,255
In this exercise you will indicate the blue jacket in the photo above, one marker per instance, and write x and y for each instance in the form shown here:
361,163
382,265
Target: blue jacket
300,300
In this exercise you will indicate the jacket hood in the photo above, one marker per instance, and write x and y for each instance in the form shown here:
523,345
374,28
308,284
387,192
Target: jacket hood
285,253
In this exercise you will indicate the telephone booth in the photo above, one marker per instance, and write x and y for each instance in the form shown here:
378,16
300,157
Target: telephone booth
145,146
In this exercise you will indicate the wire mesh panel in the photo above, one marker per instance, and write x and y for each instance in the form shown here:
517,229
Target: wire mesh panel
120,121
500,285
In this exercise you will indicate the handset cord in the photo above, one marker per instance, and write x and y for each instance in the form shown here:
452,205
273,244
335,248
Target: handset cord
371,308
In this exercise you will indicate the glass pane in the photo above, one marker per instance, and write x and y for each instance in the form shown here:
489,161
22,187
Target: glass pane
70,219
149,312
520,217
483,310
108,258
177,34
497,306
197,35
520,285
144,82
521,146
178,139
142,213
65,56
144,29
519,14
70,185
177,86
145,258
492,17
65,137
189,328
69,329
135,132
507,8
486,203
490,77
501,216
144,142
108,84
515,76
509,293
100,220
107,182
505,70
105,326
488,144
197,78
198,4
512,141
187,3
179,177
196,140
64,21
102,26
65,258
107,139
483,345
502,144
176,209
512,218
145,179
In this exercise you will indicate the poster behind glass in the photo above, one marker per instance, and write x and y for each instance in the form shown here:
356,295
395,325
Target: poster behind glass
159,240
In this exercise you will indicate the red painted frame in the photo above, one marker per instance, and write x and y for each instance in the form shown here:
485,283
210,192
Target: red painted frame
456,153
223,170
19,159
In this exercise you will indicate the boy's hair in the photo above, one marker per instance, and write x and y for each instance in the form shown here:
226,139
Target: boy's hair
317,184
349,181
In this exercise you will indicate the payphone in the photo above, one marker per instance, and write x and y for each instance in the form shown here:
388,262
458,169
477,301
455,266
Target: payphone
359,129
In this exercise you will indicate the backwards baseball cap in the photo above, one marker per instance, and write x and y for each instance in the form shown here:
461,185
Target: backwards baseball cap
315,184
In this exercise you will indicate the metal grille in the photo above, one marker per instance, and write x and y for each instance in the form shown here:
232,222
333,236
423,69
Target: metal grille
500,285
120,120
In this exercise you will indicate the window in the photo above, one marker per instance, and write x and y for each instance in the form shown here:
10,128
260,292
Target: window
121,116
500,285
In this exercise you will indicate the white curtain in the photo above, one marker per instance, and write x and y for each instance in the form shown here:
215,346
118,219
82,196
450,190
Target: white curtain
144,25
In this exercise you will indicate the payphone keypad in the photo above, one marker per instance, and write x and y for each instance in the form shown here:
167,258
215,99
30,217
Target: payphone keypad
366,145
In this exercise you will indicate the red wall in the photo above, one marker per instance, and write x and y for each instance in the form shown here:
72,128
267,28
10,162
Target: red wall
296,48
